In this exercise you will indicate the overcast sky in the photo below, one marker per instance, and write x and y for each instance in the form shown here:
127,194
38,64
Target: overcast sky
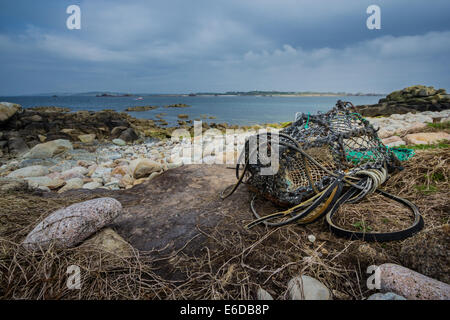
176,46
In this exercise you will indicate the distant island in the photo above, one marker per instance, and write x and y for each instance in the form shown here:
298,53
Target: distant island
285,93
249,93
104,94
114,95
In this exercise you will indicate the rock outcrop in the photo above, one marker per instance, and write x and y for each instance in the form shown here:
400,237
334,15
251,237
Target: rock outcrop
412,99
7,110
22,129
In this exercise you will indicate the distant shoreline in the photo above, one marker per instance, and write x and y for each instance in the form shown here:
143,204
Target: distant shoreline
227,94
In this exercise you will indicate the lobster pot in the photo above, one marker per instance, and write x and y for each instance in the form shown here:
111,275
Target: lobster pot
337,142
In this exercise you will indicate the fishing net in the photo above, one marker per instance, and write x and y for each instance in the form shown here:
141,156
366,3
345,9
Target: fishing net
324,160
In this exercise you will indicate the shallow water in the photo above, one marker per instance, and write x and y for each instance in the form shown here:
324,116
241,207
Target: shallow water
240,110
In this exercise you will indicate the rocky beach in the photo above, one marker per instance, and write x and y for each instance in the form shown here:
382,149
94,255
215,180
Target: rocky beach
50,153
54,150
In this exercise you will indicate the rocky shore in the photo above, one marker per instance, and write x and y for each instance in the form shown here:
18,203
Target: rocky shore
62,165
54,150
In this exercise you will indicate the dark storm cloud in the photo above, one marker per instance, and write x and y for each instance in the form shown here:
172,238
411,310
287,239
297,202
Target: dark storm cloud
199,45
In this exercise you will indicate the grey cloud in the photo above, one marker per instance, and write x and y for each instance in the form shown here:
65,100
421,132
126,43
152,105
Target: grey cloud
183,46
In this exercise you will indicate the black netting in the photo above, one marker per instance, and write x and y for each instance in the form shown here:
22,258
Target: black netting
338,142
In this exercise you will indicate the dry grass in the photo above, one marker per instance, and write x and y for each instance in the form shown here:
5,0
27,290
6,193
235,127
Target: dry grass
234,262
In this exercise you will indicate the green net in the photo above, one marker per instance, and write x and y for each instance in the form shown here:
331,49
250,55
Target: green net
354,156
403,154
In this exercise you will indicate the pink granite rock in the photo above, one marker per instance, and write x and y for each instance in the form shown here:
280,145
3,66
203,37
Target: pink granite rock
69,226
393,141
412,285
426,137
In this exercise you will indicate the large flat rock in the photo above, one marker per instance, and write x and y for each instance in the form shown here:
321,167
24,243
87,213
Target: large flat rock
167,212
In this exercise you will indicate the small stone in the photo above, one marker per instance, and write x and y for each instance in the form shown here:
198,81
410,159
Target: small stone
128,135
84,163
49,149
385,296
76,172
67,131
113,185
416,126
119,142
36,182
393,141
69,226
107,240
144,167
87,138
307,288
75,183
32,171
120,170
91,170
412,285
115,132
126,181
384,133
101,172
262,294
92,185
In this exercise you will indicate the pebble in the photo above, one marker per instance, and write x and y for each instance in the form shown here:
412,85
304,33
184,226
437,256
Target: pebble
49,149
385,296
32,171
75,183
262,294
307,288
92,185
394,141
119,142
